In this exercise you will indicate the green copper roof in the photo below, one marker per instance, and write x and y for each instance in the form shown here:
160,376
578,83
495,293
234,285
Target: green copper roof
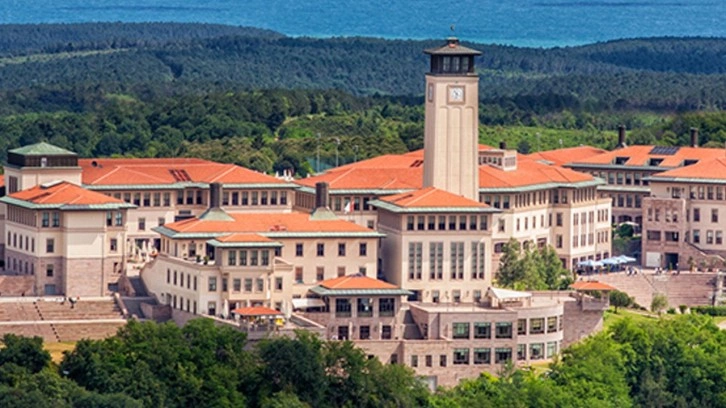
42,149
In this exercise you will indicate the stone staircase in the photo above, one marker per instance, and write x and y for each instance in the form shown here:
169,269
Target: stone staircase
691,289
57,320
17,285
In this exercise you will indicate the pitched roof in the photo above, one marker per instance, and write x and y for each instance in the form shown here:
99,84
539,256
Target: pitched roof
356,282
243,240
393,178
256,311
428,199
271,225
641,155
592,285
42,149
452,47
560,157
65,196
707,170
168,171
352,285
529,173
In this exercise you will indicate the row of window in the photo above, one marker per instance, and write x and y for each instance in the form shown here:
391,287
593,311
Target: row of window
364,332
22,216
364,307
320,273
252,257
622,178
21,242
320,249
444,223
627,200
699,192
455,255
464,356
254,198
197,197
483,330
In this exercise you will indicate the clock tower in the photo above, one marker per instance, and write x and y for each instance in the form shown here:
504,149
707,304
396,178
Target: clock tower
451,135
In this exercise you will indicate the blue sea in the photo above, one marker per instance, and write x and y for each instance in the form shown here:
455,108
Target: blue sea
538,23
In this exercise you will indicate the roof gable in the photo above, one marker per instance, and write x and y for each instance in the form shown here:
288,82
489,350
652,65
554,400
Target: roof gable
42,149
63,195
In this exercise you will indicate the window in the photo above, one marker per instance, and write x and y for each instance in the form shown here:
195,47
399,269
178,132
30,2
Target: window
236,285
502,355
522,327
709,237
113,245
161,221
442,360
552,324
653,235
278,284
248,284
482,330
415,260
319,273
45,219
536,326
460,330
696,236
429,360
551,349
477,260
435,297
414,361
409,223
341,249
212,308
436,260
49,270
504,330
461,356
232,258
341,271
365,307
299,249
521,352
56,219
365,332
457,260
142,224
253,257
363,249
321,249
386,333
265,257
259,285
225,286
386,307
243,257
50,245
482,356
696,215
536,351
714,215
119,219
558,219
212,284
298,274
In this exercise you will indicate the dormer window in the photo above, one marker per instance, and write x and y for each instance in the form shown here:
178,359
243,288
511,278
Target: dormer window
655,162
621,160
689,162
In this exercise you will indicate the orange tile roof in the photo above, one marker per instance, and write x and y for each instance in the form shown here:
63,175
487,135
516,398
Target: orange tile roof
244,238
167,171
529,172
431,197
560,157
592,285
380,177
264,223
2,180
256,311
640,155
63,193
713,169
356,282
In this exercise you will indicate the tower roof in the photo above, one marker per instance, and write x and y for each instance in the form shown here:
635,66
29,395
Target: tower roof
42,149
452,47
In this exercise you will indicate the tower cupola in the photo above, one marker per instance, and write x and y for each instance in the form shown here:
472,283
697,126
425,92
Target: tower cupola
452,59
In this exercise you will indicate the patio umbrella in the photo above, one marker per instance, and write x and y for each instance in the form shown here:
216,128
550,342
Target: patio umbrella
611,261
626,259
590,263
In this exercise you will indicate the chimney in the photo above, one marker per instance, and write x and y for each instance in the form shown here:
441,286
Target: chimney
321,210
621,137
215,195
694,137
503,145
215,211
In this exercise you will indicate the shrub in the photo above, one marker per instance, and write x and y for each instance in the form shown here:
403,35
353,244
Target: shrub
710,310
671,310
683,308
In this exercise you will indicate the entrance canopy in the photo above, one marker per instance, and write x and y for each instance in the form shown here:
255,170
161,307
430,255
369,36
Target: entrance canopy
306,303
256,311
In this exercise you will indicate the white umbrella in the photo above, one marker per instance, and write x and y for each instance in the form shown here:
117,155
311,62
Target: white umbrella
626,259
590,263
611,261
225,308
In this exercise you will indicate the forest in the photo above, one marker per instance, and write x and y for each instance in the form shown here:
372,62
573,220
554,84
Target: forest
667,362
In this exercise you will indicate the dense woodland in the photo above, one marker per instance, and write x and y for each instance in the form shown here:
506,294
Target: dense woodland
674,362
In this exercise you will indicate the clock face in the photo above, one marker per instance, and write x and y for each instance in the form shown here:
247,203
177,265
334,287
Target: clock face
456,94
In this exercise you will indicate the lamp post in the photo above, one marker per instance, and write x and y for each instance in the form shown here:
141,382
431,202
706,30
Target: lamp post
337,144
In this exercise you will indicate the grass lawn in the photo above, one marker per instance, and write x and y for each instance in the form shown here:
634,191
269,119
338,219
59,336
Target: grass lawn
56,349
637,316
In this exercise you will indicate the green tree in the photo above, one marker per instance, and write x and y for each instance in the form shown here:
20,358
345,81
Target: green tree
26,352
620,299
510,270
659,303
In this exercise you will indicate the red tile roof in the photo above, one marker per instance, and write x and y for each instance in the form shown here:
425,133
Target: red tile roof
712,169
640,155
529,172
560,157
167,171
265,222
356,282
244,238
256,311
431,197
63,193
592,285
395,177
